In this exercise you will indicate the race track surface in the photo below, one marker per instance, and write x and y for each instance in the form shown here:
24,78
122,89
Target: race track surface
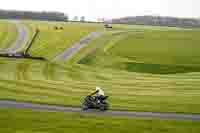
68,53
23,36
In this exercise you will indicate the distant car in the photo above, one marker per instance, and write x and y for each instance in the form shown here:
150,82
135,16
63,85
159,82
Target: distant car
58,28
108,26
55,28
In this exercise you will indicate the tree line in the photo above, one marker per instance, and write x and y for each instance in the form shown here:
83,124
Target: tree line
46,16
159,21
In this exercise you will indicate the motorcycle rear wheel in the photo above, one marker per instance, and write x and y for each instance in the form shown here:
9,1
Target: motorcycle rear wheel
85,107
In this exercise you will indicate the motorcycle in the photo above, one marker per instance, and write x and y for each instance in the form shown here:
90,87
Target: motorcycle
92,102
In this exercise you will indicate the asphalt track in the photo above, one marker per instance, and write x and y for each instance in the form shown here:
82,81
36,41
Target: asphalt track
52,108
68,53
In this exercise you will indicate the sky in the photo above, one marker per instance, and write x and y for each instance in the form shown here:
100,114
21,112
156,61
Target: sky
93,9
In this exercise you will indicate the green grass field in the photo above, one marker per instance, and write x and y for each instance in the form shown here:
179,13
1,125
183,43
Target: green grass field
43,122
157,52
8,34
49,83
43,82
141,68
51,42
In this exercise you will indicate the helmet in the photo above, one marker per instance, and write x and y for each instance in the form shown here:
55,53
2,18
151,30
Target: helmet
98,88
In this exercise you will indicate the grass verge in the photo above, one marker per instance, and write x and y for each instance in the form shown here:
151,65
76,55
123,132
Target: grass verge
50,122
8,34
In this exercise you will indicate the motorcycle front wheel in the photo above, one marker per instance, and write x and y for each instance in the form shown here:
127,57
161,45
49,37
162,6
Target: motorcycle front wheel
104,107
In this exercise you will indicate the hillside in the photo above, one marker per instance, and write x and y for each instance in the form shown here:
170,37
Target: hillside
148,51
67,83
159,21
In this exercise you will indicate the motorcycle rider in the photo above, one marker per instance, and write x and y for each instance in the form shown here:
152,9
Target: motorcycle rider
99,94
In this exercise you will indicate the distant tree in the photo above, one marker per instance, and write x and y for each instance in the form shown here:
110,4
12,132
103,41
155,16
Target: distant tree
75,18
103,20
66,17
49,16
159,21
82,19
99,20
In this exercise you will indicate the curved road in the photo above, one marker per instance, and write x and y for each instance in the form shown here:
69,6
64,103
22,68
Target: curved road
69,52
52,108
23,36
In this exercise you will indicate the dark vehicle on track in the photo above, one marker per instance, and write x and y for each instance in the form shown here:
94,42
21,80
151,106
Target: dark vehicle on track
92,102
108,26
